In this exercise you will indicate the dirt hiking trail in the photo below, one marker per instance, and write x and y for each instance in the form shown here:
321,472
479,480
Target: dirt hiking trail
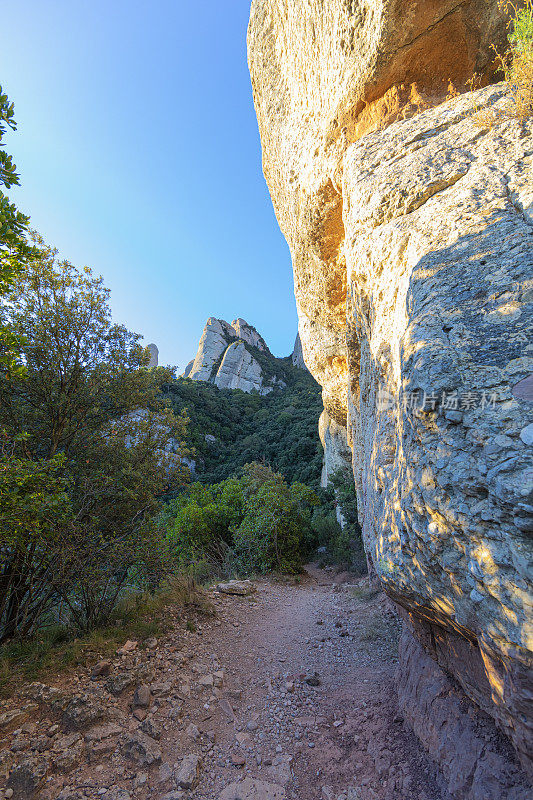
285,694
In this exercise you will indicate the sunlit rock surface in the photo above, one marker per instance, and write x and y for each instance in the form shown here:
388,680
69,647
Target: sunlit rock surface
224,358
412,249
240,370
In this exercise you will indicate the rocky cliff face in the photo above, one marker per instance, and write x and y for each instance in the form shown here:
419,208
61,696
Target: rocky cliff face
412,247
224,358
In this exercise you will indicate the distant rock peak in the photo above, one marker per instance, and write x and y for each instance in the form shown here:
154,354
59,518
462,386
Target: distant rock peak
248,334
225,359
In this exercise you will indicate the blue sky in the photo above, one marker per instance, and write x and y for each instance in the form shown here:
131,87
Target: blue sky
139,155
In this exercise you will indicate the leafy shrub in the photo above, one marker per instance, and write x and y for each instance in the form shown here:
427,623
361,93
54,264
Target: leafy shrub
93,457
33,508
255,523
344,544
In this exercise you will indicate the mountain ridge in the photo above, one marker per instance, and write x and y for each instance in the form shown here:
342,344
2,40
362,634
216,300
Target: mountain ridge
236,356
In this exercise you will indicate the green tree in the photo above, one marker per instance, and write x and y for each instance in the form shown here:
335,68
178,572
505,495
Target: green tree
13,226
272,535
89,397
33,508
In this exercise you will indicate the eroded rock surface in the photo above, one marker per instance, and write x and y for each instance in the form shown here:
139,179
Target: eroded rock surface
413,258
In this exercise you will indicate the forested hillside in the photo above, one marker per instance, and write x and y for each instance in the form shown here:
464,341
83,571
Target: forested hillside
280,428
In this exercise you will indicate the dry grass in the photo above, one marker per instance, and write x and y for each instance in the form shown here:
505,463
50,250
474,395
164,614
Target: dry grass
365,593
138,617
516,64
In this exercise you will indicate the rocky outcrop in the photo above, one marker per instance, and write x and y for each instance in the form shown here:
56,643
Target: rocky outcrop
240,370
337,454
463,739
413,258
224,358
297,356
216,337
249,334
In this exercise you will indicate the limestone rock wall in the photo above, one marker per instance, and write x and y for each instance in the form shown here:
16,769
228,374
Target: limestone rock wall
337,454
412,246
249,334
240,370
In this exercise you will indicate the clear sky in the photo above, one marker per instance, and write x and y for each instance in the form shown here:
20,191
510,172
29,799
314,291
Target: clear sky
139,155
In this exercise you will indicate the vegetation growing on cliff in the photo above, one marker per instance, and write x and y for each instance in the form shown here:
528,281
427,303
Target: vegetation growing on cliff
518,61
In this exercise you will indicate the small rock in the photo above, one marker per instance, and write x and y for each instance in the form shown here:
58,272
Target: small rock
142,749
11,718
68,751
313,680
116,793
100,670
238,760
151,728
27,777
252,789
225,705
142,696
192,732
82,711
241,588
116,684
151,643
187,775
126,648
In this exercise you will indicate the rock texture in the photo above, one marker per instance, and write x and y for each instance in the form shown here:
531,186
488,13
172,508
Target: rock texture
413,258
337,454
224,358
462,740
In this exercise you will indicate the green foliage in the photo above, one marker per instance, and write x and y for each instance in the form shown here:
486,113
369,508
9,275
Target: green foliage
13,226
344,543
517,62
88,400
521,37
256,523
33,507
280,428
